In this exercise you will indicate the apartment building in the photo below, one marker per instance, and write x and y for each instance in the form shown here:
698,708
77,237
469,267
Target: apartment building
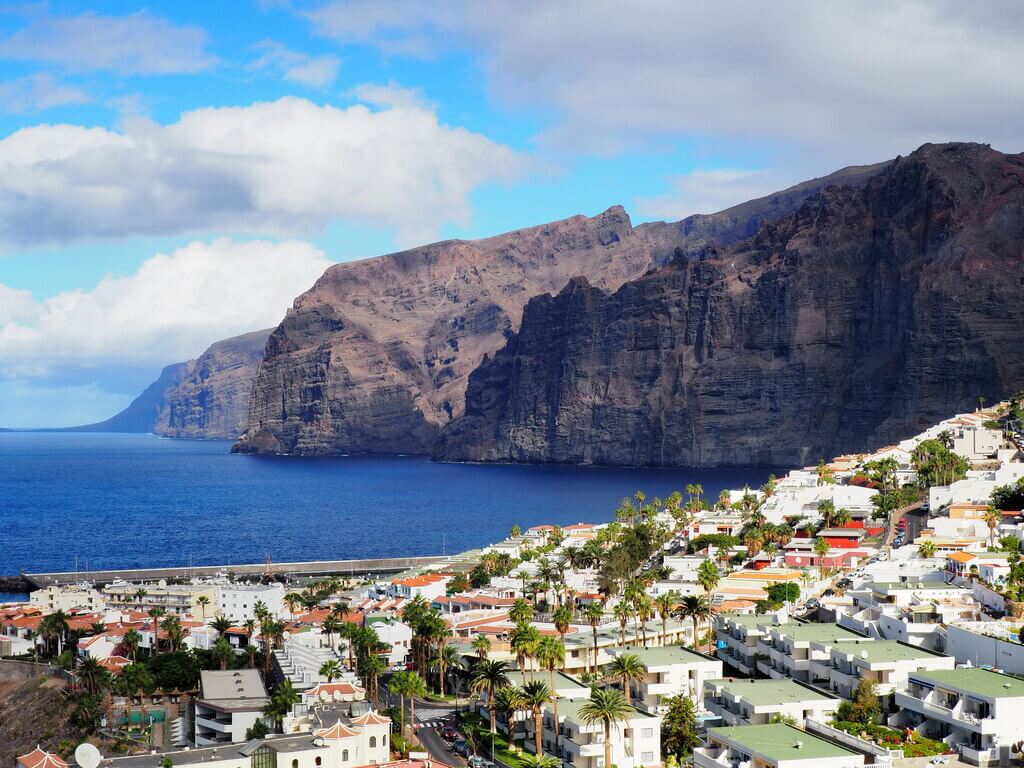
886,663
176,599
579,646
635,742
977,711
737,637
787,650
67,598
671,670
772,746
908,611
239,602
230,702
759,702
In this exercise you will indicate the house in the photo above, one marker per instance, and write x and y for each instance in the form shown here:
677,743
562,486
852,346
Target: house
886,663
39,758
229,703
429,586
737,638
787,650
238,602
671,670
635,742
977,711
757,702
67,598
772,746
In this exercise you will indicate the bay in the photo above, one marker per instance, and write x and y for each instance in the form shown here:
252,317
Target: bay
100,501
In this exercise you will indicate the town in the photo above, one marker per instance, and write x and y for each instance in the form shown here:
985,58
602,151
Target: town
865,611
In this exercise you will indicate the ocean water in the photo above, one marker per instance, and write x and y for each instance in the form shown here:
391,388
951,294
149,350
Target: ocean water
98,501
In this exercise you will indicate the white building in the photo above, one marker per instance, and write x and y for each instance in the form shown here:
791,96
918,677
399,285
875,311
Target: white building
428,586
67,598
671,670
886,663
758,702
772,746
238,601
230,702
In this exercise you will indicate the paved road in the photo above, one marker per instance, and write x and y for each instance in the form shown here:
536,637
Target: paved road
430,716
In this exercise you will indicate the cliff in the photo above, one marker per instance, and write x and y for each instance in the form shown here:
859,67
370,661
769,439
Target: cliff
209,397
865,315
141,414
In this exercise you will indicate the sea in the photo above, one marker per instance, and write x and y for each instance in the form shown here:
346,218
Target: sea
80,502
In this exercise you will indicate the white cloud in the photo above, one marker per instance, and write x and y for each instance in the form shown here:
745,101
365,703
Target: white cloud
283,167
708,191
844,82
34,93
136,44
392,95
170,309
310,71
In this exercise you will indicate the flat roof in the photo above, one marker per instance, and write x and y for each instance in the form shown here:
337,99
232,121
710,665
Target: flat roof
890,586
749,621
765,693
570,708
882,651
817,632
976,680
669,654
778,742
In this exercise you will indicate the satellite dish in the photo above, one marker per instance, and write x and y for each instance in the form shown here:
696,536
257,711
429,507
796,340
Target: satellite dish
87,756
864,654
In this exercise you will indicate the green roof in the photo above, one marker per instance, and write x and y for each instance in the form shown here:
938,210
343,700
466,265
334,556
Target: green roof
881,651
777,742
570,709
669,654
980,681
766,693
748,620
562,680
818,633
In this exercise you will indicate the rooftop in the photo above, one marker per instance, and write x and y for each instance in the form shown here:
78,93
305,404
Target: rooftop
891,586
669,654
882,651
816,633
980,681
779,742
766,693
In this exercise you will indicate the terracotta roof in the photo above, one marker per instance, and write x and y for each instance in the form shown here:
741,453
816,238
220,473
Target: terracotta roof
40,759
337,731
332,688
115,664
419,581
370,718
579,527
961,557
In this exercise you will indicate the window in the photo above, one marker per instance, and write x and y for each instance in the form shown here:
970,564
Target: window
344,755
647,733
295,763
264,757
647,757
383,741
373,741
317,761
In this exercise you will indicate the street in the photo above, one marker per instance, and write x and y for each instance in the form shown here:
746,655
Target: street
429,717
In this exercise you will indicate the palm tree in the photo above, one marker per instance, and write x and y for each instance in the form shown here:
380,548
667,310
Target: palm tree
156,614
130,643
827,510
540,761
222,624
202,601
250,652
644,609
330,669
171,626
282,700
521,611
992,519
447,658
223,653
625,669
608,707
821,548
697,609
487,678
482,645
665,603
926,549
523,640
594,614
708,575
331,627
622,612
137,679
508,701
91,674
535,695
291,600
54,626
562,619
415,686
97,628
551,656
373,666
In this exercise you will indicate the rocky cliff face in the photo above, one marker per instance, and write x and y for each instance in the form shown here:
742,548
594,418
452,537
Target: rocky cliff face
142,413
374,358
864,316
209,397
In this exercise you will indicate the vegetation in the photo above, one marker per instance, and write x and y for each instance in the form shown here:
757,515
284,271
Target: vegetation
713,540
863,708
679,734
913,746
607,707
1010,497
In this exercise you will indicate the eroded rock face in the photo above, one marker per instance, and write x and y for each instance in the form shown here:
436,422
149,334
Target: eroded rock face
209,397
374,357
864,316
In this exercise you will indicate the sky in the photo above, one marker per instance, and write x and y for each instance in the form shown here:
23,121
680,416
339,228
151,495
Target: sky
176,173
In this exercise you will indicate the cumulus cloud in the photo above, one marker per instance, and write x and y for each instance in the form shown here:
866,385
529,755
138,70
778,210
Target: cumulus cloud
283,167
137,44
708,191
845,82
310,71
170,309
36,92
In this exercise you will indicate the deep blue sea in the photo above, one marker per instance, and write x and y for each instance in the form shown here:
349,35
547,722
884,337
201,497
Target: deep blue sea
124,501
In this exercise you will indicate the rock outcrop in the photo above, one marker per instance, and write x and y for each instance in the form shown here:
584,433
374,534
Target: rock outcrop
142,413
209,397
864,316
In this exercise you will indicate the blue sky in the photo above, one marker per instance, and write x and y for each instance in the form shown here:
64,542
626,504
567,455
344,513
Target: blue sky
175,173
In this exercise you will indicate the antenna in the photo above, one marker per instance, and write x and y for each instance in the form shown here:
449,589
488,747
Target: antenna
87,756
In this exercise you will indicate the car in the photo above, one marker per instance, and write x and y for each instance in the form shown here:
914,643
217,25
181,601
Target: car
462,748
828,593
478,762
449,734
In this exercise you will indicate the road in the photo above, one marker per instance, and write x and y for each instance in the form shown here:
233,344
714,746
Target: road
429,716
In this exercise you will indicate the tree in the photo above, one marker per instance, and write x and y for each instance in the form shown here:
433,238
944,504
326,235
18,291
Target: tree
257,731
202,601
521,611
282,700
536,694
330,669
826,475
448,657
665,603
331,627
992,519
136,679
1009,497
91,674
926,549
827,510
487,677
595,614
821,549
679,730
223,653
54,627
864,707
516,532
508,701
130,643
222,624
523,641
608,707
622,612
625,669
562,619
482,645
551,656
540,761
708,575
697,609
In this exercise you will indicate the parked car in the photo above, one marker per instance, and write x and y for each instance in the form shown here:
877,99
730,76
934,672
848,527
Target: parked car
462,748
449,734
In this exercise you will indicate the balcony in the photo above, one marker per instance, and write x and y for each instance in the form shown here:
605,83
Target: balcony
221,726
976,756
